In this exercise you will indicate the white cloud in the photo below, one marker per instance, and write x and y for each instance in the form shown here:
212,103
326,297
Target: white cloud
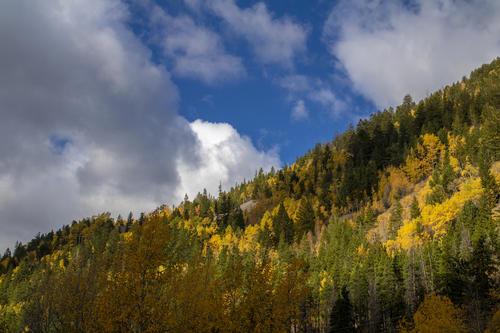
226,158
328,98
193,4
90,123
295,83
302,87
299,110
196,51
274,40
390,50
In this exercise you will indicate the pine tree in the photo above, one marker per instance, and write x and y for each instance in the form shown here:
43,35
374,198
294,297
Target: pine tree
491,131
264,237
142,219
414,209
447,174
236,219
305,219
395,220
130,220
282,224
440,182
341,316
482,269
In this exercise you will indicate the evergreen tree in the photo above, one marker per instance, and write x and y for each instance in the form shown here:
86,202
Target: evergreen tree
447,174
341,316
142,219
414,208
395,220
482,268
305,219
130,220
491,188
491,132
186,204
283,225
236,219
440,182
204,203
265,237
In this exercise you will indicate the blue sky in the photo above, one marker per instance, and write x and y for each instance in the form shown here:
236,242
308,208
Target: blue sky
124,105
256,102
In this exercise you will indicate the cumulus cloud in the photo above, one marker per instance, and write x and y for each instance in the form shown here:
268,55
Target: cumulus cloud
274,40
226,158
196,51
391,48
89,122
299,110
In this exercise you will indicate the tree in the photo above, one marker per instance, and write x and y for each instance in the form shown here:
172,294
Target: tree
440,182
414,209
494,324
236,219
437,314
132,298
130,221
421,160
282,224
341,316
482,268
305,219
491,131
395,220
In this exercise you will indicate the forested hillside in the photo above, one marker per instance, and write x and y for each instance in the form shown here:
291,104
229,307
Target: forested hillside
392,226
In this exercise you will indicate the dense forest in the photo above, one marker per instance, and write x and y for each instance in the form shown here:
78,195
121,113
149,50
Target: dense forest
392,226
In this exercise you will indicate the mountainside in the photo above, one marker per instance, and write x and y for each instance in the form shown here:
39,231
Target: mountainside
392,226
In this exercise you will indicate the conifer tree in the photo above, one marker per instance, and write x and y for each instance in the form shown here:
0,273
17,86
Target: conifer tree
482,269
282,225
341,316
236,219
414,209
130,220
395,220
305,219
491,131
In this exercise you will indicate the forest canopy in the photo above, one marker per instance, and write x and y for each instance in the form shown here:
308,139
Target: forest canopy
393,225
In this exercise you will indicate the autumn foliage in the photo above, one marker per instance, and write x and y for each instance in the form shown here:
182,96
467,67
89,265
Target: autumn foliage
394,225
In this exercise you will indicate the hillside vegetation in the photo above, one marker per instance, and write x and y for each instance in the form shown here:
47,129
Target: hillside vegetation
392,226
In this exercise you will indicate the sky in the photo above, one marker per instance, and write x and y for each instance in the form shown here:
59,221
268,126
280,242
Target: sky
124,105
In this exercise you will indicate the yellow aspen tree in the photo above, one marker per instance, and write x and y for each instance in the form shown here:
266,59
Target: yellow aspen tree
437,314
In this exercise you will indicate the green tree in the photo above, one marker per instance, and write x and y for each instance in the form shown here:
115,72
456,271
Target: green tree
341,316
395,220
282,225
491,131
414,209
305,219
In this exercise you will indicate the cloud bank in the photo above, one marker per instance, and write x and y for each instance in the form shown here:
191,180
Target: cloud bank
91,124
390,49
